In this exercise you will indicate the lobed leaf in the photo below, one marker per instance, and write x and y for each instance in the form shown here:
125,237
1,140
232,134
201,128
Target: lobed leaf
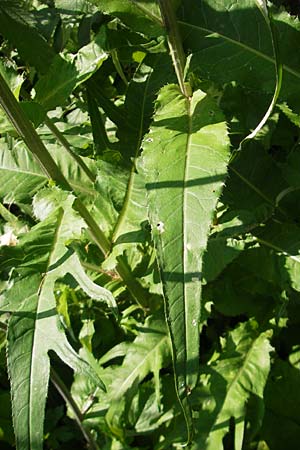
34,329
241,371
149,352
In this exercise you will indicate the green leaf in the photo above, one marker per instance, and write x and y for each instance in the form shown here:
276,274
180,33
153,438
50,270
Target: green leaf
185,164
220,252
14,81
53,88
224,47
142,16
254,180
239,373
15,24
149,352
79,6
34,329
21,176
151,75
281,426
284,240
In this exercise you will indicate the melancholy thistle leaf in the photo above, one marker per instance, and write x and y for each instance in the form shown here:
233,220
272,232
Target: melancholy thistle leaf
184,161
34,329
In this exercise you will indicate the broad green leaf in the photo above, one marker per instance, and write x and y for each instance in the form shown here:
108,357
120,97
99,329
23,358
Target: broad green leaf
34,329
224,47
149,352
64,74
16,26
241,371
220,252
185,165
284,240
254,180
21,176
142,16
280,428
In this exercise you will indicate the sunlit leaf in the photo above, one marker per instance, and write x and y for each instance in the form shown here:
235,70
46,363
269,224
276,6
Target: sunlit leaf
185,164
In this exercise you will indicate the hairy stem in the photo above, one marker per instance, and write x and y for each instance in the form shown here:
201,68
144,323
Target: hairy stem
174,42
64,392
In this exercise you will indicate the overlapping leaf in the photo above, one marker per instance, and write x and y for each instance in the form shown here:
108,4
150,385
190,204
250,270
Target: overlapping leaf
142,16
34,329
224,46
149,353
53,88
241,371
16,26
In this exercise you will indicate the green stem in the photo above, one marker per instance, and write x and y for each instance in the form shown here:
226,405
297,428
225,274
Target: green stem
25,129
174,42
36,146
60,137
119,69
64,392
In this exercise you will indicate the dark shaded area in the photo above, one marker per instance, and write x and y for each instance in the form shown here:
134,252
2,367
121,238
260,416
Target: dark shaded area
293,6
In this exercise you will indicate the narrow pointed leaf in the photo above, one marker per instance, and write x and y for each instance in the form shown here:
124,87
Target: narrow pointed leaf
38,261
184,160
149,352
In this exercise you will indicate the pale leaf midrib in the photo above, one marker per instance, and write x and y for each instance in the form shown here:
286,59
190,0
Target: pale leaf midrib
147,12
52,251
135,372
184,247
234,381
242,45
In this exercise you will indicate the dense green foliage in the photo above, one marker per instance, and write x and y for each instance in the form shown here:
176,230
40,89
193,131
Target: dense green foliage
149,225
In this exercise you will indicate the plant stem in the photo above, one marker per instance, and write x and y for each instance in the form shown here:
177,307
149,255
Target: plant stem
174,42
36,146
60,137
119,69
25,129
64,392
